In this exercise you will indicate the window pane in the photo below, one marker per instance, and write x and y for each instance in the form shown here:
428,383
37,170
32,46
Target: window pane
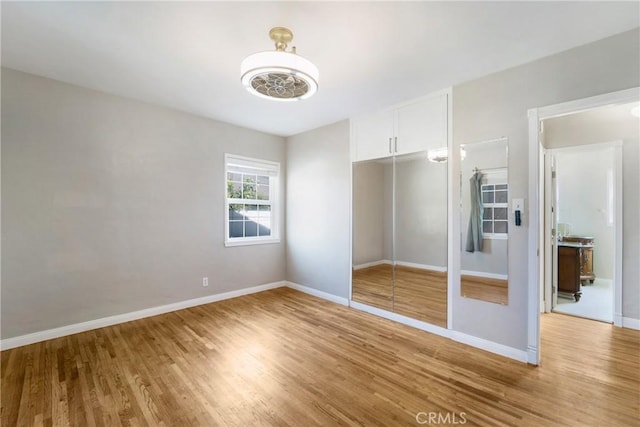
235,228
263,180
248,190
234,176
263,192
488,213
265,208
250,229
500,213
487,187
487,226
264,229
235,212
487,197
501,186
501,226
234,190
501,197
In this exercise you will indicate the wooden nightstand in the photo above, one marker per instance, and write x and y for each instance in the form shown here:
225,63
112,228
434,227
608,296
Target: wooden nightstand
586,257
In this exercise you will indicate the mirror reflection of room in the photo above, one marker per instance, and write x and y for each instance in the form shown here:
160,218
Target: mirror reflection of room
485,216
400,236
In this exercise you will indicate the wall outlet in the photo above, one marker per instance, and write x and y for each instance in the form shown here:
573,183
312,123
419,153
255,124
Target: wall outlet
205,282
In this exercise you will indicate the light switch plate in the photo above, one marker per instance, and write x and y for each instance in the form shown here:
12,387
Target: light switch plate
517,205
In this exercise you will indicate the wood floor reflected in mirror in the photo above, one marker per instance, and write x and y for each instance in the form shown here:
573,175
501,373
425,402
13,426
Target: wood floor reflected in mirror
419,294
485,289
374,286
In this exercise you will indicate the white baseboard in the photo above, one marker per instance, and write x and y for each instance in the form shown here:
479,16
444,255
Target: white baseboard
490,346
428,327
371,264
631,323
401,263
317,293
422,266
62,331
484,274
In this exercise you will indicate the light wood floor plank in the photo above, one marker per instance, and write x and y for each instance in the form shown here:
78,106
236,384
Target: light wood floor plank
283,358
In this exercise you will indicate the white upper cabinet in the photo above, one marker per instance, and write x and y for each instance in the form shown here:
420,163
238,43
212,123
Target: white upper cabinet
373,135
413,126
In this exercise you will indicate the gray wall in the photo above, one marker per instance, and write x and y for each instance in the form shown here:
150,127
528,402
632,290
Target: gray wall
318,216
368,212
421,211
110,206
605,125
496,106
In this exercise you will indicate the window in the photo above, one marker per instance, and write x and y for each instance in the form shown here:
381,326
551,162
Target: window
251,201
495,215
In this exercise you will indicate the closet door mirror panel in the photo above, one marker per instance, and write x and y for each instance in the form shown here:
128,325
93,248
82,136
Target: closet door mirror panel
420,286
485,221
372,275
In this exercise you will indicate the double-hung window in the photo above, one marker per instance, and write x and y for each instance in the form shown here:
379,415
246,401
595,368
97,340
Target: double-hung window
251,201
495,215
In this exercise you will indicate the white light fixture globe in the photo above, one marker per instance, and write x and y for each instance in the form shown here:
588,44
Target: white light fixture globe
279,75
441,155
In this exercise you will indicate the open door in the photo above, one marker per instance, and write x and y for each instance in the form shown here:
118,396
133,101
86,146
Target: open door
550,290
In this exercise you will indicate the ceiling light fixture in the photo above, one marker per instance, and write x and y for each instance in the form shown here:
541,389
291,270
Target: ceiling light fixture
279,75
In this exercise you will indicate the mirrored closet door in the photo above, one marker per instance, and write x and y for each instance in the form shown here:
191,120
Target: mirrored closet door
400,236
484,221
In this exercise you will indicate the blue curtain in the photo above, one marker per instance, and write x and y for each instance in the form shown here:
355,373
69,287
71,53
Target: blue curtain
474,232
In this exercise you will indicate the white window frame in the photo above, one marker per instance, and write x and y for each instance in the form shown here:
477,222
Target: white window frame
496,177
235,163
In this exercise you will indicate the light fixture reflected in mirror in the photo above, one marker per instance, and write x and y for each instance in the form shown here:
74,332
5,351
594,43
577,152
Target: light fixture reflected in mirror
440,155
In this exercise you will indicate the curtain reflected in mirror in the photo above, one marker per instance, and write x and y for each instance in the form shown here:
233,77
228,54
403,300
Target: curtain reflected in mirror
400,236
485,216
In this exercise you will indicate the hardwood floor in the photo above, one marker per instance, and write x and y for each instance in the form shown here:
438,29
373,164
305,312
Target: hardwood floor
374,286
417,293
285,358
421,294
485,289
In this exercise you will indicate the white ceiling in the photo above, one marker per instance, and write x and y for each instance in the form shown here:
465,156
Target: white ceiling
186,55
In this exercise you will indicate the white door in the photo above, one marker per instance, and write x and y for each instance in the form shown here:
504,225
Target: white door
550,288
373,135
554,234
422,125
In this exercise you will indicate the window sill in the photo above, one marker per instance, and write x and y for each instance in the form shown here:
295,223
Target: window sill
495,236
249,242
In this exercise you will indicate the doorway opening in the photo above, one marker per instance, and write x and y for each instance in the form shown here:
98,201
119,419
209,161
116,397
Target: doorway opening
582,187
543,237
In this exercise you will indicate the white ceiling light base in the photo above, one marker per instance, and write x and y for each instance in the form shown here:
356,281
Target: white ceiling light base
279,75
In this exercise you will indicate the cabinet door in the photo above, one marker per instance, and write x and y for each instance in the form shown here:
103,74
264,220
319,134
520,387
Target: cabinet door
422,125
370,135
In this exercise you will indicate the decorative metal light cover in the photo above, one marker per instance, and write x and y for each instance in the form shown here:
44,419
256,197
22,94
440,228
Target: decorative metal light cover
279,75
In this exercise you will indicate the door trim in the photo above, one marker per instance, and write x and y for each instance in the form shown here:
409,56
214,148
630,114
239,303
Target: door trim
536,194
